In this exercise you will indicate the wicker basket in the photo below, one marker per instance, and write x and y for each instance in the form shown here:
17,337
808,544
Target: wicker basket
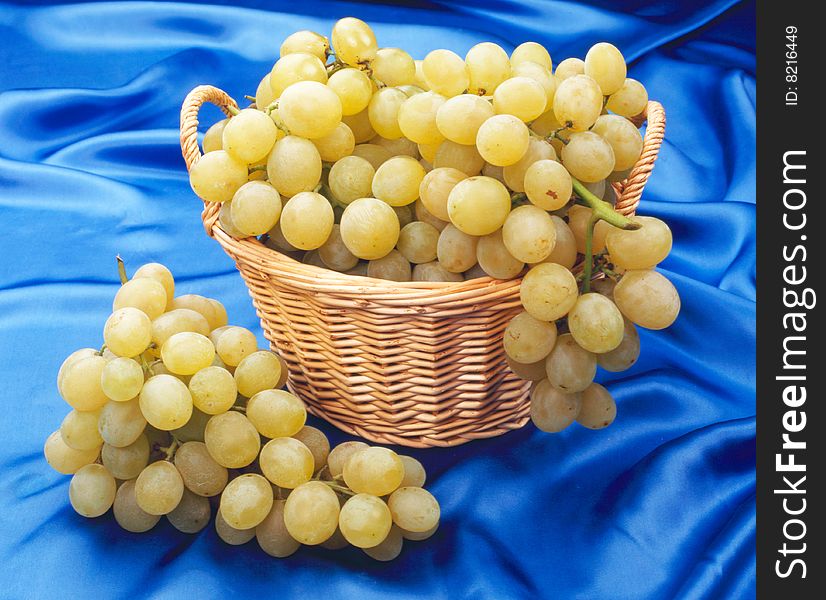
417,364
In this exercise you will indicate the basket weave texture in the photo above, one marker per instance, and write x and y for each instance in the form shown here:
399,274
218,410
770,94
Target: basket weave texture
417,364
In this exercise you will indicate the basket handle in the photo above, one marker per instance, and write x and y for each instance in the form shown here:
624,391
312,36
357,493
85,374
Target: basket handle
631,188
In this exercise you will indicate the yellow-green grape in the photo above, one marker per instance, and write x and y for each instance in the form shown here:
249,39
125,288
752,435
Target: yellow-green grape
460,157
414,509
545,125
230,535
488,65
529,234
351,178
373,153
565,251
246,501
383,112
531,52
80,385
445,73
456,250
435,189
234,344
226,224
626,354
414,472
353,88
405,214
360,125
374,470
354,42
338,144
255,208
365,520
277,241
165,401
127,332
393,266
127,462
128,514
272,534
578,217
569,68
192,513
604,286
428,151
596,323
578,102
521,97
337,541
597,409
393,67
121,379
548,184
175,321
213,390
193,430
479,205
397,181
159,488
79,430
307,220
199,304
528,340
249,136
145,294
606,65
641,248
548,291
309,109
538,150
424,215
569,367
121,423
295,68
418,537
529,372
317,443
417,242
370,228
306,41
433,271
70,360
311,513
159,273
417,118
629,100
540,75
232,440
257,372
276,413
341,454
389,549
335,255
502,140
460,118
186,353
294,166
588,156
551,409
201,474
65,459
647,298
624,138
92,490
263,96
217,176
419,79
286,462
494,258
213,138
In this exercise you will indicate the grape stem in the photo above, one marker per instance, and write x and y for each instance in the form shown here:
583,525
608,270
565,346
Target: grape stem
121,270
335,66
602,209
589,253
169,451
255,168
339,488
232,110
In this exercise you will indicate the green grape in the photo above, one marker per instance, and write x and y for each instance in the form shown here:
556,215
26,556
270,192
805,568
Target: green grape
159,273
548,291
414,473
121,423
641,248
588,156
578,101
341,454
166,402
433,271
540,75
414,509
249,136
538,150
213,138
127,462
80,384
65,459
374,470
460,118
92,490
309,42
79,430
354,42
606,65
246,501
488,65
217,176
528,340
596,323
522,97
569,68
604,286
393,67
317,443
428,152
230,535
276,413
336,145
548,184
351,178
445,73
295,68
307,220
383,112
70,360
200,305
272,534
624,355
647,299
397,181
418,537
286,462
529,234
236,343
175,321
423,215
263,97
419,79
531,52
309,109
192,513
201,474
193,430
598,409
494,258
255,208
294,166
311,513
213,390
502,140
417,118
334,254
374,153
435,189
578,217
145,294
186,353
369,228
128,514
551,409
393,266
159,488
226,224
569,367
365,520
478,205
460,157
257,372
456,250
417,242
232,440
529,372
353,88
623,137
337,541
389,549
629,100
405,214
127,332
360,125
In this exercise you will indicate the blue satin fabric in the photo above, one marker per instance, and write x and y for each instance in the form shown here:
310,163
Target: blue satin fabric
661,505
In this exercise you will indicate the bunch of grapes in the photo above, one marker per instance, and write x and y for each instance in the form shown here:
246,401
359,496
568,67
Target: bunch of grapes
180,412
363,160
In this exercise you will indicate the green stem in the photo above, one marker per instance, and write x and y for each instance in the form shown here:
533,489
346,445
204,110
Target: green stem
169,451
121,270
254,168
102,349
339,488
589,254
233,110
602,209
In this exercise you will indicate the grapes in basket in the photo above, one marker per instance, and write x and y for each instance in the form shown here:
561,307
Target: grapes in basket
180,413
362,160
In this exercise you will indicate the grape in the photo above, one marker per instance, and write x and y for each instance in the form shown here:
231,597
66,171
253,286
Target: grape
423,215
397,181
521,97
578,217
65,459
569,367
192,513
538,150
389,549
121,423
309,109
342,453
360,125
488,65
569,68
213,390
641,248
311,513
374,470
213,138
417,242
294,166
478,205
604,286
159,273
414,509
373,153
128,514
606,65
428,152
419,79
263,98
456,250
286,462
294,68
393,67
351,178
540,75
309,42
529,234
272,534
405,214
317,443
337,541
393,266
307,220
502,140
186,353
495,259
578,101
598,409
630,100
433,271
145,294
193,430
249,136
531,52
159,488
623,137
166,402
435,189
79,430
548,184
548,291
418,537
528,340
414,473
417,118
127,462
217,175
624,355
232,440
276,413
127,332
530,372
336,145
648,299
596,323
383,112
230,535
246,501
588,157
460,157
200,473
70,360
334,254
369,228
364,520
255,208
257,372
460,118
553,410
354,42
199,304
445,73
353,88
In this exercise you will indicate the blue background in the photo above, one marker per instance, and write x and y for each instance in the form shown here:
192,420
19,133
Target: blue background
661,505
